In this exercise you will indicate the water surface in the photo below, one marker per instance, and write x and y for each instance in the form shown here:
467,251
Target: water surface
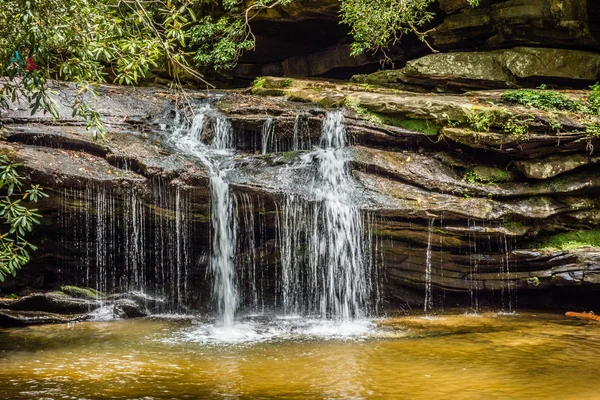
524,356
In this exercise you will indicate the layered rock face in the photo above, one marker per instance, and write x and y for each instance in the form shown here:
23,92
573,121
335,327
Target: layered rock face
458,214
306,39
571,24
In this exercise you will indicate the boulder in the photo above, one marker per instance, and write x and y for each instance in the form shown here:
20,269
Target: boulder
81,293
507,68
142,300
126,308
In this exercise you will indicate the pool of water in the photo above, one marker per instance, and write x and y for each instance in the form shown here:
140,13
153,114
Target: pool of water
489,356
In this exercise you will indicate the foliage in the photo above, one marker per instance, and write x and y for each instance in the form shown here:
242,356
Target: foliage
541,99
510,123
377,24
18,218
486,175
593,99
259,83
587,107
88,41
572,240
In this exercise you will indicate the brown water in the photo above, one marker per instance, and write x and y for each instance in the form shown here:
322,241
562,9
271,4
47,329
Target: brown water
527,356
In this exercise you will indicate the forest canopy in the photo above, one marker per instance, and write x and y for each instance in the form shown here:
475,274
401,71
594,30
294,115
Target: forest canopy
121,40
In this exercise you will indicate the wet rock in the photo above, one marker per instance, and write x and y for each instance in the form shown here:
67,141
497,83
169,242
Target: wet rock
81,293
532,146
12,318
57,303
127,308
142,300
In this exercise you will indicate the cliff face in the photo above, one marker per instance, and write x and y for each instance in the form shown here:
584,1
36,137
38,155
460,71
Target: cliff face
475,214
464,196
307,39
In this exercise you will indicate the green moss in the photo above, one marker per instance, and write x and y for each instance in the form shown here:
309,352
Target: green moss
572,240
289,156
259,83
482,174
416,125
81,293
542,99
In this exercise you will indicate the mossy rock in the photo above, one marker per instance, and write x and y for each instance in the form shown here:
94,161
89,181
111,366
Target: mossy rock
571,240
268,92
484,174
81,293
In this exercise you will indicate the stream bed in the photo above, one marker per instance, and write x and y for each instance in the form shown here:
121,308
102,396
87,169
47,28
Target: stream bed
456,356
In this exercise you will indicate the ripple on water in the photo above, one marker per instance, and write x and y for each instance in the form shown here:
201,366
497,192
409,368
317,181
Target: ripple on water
262,330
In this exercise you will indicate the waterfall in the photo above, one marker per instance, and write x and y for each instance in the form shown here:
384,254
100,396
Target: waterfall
222,262
324,259
224,226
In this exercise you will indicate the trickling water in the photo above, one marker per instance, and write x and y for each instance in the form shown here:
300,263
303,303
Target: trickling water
507,289
428,305
135,243
301,139
325,266
268,136
222,133
222,262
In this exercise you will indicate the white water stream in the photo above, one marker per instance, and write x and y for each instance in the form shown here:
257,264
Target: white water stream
322,244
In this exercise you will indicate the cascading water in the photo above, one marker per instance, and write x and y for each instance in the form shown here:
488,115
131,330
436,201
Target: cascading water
222,209
222,262
324,232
